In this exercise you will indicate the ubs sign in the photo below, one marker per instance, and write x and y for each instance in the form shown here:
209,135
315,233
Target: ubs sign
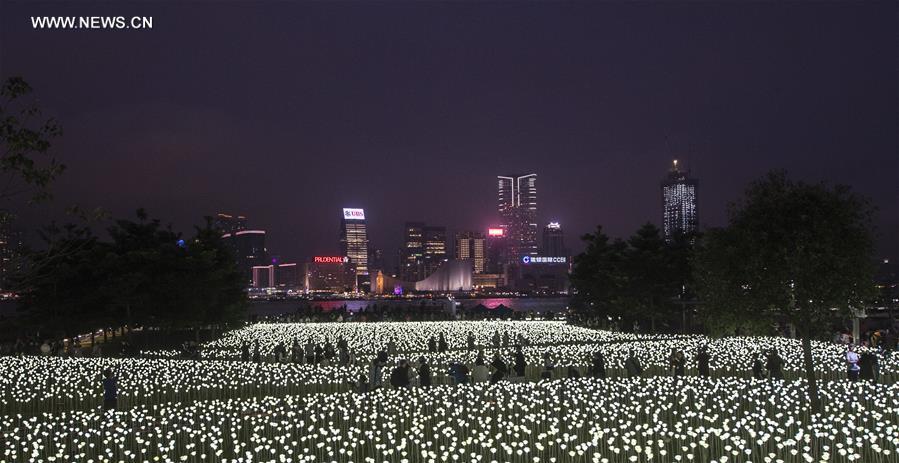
353,214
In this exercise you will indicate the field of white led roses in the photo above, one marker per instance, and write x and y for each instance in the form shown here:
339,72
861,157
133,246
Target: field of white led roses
230,410
578,420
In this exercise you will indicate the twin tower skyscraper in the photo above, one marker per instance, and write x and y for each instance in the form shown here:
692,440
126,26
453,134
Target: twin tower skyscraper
517,205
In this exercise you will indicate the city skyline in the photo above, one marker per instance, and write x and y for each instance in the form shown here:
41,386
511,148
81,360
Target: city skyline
596,99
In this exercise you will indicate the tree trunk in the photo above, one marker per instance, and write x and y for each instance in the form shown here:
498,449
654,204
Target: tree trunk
814,400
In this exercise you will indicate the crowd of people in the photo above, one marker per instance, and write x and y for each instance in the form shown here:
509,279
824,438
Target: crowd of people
402,312
865,366
50,347
323,354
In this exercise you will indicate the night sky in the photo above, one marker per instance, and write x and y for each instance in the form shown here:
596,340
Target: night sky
288,112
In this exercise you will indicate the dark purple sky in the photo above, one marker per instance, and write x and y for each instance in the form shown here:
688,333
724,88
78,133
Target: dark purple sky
287,112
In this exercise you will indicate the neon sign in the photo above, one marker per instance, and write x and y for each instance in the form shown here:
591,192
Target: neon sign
353,214
543,260
330,259
495,232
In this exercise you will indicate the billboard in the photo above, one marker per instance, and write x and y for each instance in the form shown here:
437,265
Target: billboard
544,260
495,232
330,259
353,214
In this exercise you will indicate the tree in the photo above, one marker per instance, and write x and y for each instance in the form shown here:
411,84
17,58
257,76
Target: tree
220,285
597,275
158,278
634,280
649,283
25,144
145,275
794,252
142,256
58,286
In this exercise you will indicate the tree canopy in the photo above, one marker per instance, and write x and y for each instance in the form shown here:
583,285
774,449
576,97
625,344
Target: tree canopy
145,274
636,280
791,252
25,137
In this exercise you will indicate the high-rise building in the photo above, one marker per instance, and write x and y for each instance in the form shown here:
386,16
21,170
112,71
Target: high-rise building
424,250
263,276
496,250
679,213
375,259
287,276
354,244
329,274
553,240
412,253
517,196
249,251
434,253
10,248
228,223
473,246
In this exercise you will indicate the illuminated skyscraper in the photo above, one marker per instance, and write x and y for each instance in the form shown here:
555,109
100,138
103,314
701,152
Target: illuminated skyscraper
497,250
517,196
434,255
228,223
354,244
424,250
678,203
472,245
249,251
10,248
553,241
412,253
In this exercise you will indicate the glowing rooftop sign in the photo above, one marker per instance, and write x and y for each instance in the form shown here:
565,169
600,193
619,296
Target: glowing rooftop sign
330,259
495,232
544,260
554,225
353,214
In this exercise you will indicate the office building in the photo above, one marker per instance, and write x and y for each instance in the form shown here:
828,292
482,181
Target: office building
496,250
679,214
553,240
329,275
263,276
10,248
228,223
517,195
473,246
249,251
541,274
424,250
412,252
354,245
375,259
287,276
434,252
